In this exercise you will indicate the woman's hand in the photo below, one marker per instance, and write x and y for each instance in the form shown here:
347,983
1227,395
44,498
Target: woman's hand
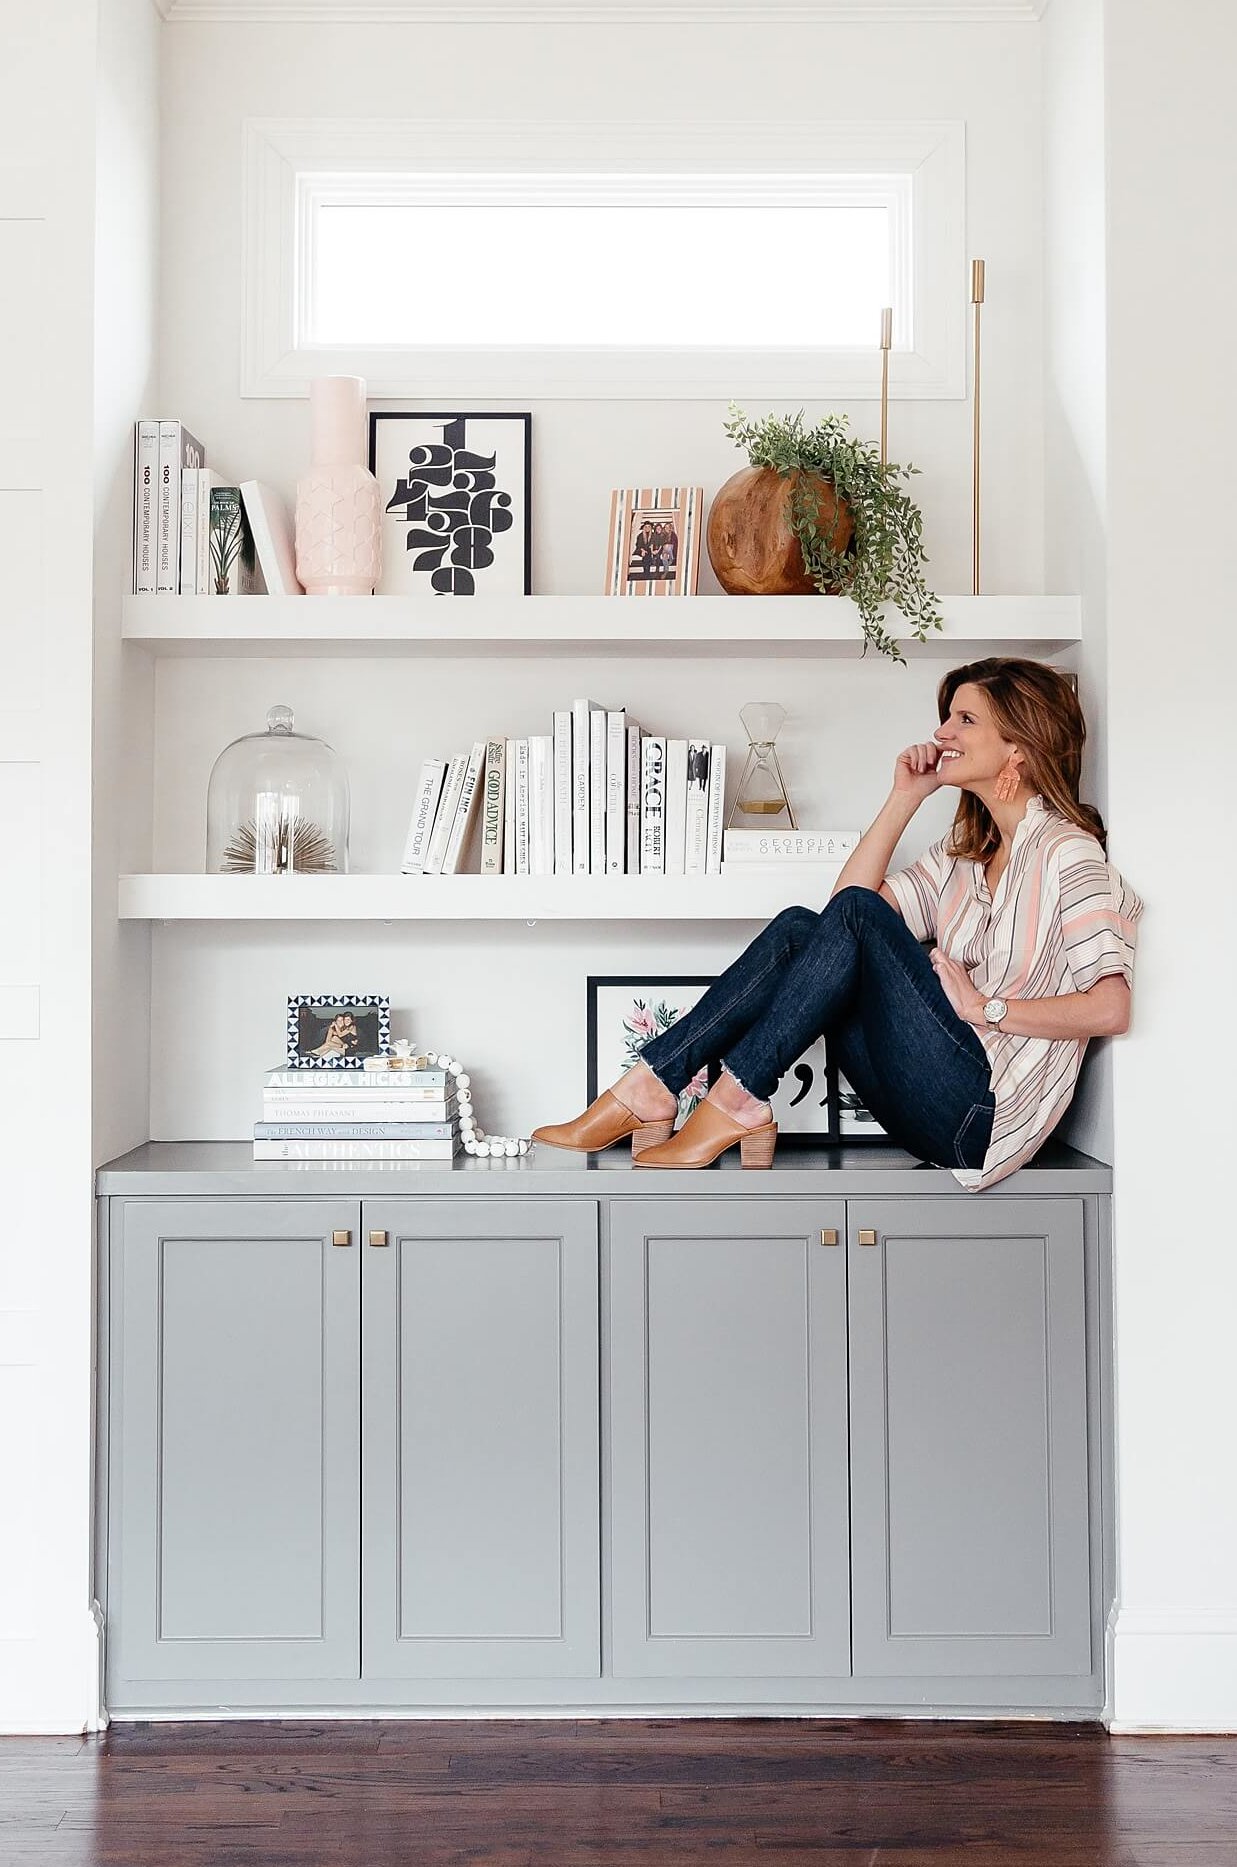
915,774
956,982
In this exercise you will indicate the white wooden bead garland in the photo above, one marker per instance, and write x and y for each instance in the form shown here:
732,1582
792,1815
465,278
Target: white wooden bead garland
475,1139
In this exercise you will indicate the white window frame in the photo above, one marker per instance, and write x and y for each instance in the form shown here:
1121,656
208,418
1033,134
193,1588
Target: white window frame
918,169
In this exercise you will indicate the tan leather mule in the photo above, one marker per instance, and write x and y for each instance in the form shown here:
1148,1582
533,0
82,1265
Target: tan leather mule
708,1132
604,1122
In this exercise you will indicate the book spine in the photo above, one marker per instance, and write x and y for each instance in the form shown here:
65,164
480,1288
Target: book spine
676,804
190,484
581,712
509,836
353,1131
355,1150
457,843
444,817
542,745
207,481
522,828
789,845
145,504
653,805
429,790
632,851
228,542
358,1082
562,791
411,1110
616,792
536,793
695,840
167,535
597,792
492,802
716,812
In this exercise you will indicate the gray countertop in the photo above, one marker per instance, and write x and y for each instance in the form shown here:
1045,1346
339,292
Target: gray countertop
206,1168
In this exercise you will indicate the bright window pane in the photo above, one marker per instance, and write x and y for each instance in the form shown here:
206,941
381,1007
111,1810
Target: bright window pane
665,274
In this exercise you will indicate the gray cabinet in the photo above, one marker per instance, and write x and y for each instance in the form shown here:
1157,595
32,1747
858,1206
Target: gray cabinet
728,1438
234,1442
968,1398
480,1402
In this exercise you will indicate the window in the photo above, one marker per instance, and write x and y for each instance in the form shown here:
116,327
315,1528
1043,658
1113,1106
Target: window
654,273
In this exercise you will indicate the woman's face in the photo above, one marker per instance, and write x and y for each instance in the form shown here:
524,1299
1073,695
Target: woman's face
972,750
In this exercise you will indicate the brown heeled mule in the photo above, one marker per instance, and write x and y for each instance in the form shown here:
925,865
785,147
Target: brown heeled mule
604,1122
708,1132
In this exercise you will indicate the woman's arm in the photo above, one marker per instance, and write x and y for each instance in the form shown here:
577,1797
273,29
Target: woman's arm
914,778
1104,1011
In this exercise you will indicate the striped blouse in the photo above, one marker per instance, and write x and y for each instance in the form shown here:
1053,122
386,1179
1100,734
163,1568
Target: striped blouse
1062,918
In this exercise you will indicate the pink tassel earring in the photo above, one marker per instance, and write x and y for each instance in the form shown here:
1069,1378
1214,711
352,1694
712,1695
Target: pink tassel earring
1006,781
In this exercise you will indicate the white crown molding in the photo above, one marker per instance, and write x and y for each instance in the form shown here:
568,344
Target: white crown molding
606,12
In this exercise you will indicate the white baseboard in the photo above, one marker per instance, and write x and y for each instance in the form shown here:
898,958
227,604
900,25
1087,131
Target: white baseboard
1174,1669
54,1688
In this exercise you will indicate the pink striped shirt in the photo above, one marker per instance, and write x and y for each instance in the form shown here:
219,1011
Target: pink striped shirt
1062,917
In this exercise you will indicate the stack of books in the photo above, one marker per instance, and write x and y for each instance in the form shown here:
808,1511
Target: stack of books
195,536
594,796
753,850
357,1115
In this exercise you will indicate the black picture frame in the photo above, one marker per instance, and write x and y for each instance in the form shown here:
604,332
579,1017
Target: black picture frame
441,519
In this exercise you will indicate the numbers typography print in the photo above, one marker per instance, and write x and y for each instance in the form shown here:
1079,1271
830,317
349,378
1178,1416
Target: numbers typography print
456,503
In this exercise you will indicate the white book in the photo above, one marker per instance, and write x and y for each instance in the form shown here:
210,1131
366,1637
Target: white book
444,817
145,504
429,790
492,803
581,752
653,805
765,846
356,1150
540,804
509,836
190,485
465,811
207,480
676,804
295,1079
278,1109
633,798
696,820
522,852
562,791
716,811
597,792
616,791
272,538
178,451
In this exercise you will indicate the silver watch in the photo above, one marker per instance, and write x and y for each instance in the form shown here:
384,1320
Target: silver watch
994,1011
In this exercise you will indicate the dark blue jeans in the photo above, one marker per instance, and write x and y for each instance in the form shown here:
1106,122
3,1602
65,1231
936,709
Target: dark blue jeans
856,975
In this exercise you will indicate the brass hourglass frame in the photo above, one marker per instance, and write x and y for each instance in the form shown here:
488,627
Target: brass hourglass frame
762,753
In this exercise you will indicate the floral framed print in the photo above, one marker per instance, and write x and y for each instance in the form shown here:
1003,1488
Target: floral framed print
654,543
456,502
339,1032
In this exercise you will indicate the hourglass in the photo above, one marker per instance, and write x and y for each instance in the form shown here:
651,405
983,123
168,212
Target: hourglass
762,795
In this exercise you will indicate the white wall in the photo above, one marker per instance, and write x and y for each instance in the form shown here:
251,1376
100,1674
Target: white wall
1172,400
522,1030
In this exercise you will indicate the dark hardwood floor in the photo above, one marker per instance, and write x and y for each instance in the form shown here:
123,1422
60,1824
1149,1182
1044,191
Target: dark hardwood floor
734,1792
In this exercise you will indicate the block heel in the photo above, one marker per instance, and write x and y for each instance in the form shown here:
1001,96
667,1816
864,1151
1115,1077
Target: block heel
650,1134
756,1148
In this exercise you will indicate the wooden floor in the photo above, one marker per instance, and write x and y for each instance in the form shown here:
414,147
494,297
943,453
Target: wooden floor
736,1792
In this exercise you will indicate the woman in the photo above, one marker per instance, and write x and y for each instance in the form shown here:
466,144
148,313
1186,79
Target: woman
968,1054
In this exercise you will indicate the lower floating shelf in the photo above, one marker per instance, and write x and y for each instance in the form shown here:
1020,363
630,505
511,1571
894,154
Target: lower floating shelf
727,897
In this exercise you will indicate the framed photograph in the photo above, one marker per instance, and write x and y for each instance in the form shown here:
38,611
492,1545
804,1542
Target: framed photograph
456,511
855,1122
624,1013
654,546
337,1033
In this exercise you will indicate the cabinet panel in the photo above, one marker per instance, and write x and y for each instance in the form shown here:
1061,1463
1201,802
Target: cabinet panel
728,1435
969,1437
481,1452
234,1441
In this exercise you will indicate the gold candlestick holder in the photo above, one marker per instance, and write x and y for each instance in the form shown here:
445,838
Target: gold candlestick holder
886,347
977,302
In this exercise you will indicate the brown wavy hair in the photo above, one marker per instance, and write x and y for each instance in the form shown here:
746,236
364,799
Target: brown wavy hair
1035,708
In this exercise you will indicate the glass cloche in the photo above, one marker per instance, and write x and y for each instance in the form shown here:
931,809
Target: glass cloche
277,804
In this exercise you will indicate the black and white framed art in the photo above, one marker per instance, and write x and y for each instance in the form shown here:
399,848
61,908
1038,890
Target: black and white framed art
456,493
336,1032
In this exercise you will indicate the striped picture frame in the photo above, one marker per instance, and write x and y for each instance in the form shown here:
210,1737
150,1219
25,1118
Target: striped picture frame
654,545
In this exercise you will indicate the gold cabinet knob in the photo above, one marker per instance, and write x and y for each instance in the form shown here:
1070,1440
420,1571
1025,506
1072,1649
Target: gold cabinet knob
829,1235
377,1238
867,1238
341,1238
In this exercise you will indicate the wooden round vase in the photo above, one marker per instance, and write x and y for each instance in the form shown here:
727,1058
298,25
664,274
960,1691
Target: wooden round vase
751,546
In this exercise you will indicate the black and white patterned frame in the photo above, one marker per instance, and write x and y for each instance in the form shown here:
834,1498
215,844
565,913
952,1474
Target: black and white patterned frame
372,1012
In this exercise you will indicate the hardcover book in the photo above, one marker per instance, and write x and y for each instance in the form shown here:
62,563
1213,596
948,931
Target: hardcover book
768,846
272,539
581,754
178,451
355,1150
493,801
376,1109
233,568
676,805
616,792
509,836
653,805
633,797
429,790
465,811
145,504
444,817
696,821
597,792
522,851
716,810
562,791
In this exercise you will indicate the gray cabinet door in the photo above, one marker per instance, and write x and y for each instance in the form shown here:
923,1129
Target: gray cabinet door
481,1455
728,1437
233,1443
969,1437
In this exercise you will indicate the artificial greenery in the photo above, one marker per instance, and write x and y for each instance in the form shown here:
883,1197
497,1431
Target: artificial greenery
884,561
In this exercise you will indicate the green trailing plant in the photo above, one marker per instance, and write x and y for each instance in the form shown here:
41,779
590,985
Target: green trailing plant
884,560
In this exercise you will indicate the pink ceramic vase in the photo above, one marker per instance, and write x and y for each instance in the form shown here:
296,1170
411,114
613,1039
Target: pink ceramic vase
338,508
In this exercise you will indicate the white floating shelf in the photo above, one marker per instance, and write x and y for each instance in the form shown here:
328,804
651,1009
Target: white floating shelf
517,625
727,897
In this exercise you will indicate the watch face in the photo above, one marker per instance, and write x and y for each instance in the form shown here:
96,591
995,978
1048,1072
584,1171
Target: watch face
995,1010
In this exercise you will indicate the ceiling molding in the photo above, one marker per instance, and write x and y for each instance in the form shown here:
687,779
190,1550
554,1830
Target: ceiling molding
606,12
